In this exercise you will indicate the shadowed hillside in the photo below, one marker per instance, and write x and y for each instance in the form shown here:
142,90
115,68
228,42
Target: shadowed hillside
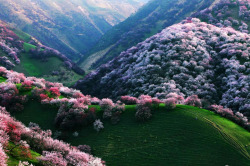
71,26
149,20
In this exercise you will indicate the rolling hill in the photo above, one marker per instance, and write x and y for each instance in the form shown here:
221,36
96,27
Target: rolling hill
149,20
69,26
184,135
188,58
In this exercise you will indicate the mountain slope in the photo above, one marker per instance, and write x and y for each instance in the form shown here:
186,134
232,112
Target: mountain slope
149,20
186,58
69,26
234,13
23,53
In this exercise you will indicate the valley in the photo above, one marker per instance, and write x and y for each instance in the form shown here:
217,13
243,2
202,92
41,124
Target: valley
129,82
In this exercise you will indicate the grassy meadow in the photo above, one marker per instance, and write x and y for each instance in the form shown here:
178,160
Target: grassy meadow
184,136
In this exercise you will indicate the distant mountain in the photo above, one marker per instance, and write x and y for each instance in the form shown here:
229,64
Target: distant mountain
71,26
188,58
149,20
23,53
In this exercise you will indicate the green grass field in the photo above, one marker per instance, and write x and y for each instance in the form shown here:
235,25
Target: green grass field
35,67
184,136
38,113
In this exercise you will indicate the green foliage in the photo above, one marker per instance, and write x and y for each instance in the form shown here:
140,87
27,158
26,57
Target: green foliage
16,155
27,47
2,79
23,91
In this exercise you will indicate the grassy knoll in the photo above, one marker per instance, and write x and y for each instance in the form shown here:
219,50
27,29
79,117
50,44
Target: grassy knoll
35,67
184,136
17,155
170,138
38,68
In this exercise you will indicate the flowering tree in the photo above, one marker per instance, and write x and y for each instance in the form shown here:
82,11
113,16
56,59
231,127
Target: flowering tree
193,101
52,158
27,85
222,111
107,105
143,113
128,100
54,91
98,125
170,103
3,157
84,148
143,108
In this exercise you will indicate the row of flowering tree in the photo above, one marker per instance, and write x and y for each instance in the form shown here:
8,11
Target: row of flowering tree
146,104
54,152
18,89
11,45
73,107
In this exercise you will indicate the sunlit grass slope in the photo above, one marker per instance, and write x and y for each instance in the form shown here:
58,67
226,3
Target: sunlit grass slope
36,67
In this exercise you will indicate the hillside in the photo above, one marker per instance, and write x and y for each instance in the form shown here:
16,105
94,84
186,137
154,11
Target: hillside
188,58
149,20
209,137
23,53
184,135
69,26
228,13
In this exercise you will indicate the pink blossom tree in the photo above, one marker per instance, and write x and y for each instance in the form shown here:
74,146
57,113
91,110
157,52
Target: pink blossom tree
193,101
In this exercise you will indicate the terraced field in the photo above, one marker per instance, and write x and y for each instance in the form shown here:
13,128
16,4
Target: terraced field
184,136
